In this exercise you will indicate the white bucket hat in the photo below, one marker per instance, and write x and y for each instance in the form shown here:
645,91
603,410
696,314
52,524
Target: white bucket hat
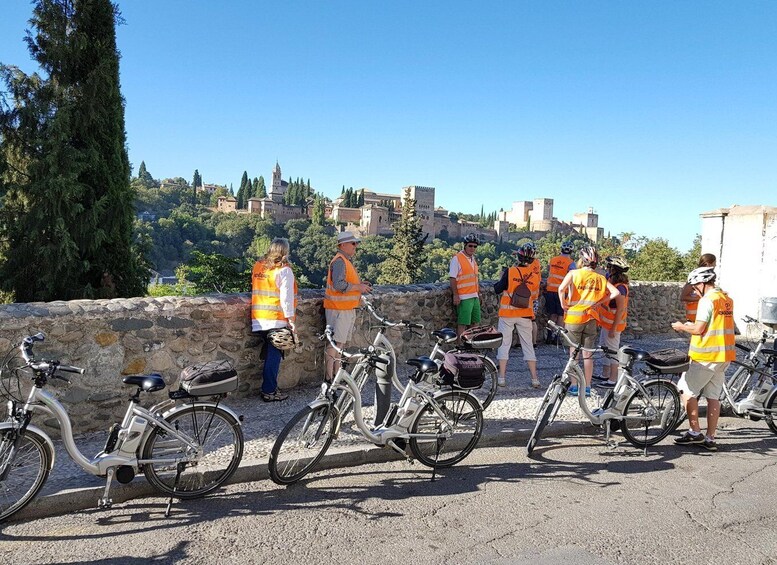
347,237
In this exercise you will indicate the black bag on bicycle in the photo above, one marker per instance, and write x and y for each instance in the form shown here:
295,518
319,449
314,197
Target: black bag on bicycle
463,370
668,361
204,379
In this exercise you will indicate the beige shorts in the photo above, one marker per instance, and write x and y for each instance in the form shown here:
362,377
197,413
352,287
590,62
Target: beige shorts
342,322
583,332
703,379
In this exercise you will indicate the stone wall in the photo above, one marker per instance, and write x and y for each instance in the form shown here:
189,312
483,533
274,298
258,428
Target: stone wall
114,338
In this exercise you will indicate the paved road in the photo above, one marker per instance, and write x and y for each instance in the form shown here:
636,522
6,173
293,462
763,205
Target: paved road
575,502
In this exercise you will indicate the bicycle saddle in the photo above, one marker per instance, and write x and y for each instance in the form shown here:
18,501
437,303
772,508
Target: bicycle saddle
149,383
445,335
766,351
423,364
637,354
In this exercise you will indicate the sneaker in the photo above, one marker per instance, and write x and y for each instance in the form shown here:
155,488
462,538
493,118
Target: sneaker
709,444
588,392
536,384
690,439
276,396
605,384
572,390
502,381
599,378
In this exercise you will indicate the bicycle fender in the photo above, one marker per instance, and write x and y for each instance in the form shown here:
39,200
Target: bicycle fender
36,430
180,407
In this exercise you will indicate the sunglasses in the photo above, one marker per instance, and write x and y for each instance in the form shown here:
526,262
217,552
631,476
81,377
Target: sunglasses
472,245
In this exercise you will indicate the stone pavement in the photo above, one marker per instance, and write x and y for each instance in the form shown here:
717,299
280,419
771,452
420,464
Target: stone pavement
508,420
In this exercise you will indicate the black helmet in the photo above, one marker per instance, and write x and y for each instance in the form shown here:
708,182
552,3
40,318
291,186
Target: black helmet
567,247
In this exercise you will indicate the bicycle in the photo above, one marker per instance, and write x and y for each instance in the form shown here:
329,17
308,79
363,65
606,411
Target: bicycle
440,428
644,411
186,447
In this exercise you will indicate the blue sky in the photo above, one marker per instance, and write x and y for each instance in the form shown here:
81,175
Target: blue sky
649,112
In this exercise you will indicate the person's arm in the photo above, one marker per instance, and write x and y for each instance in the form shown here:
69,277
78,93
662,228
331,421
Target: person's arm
453,272
501,285
285,281
687,294
620,311
337,268
562,290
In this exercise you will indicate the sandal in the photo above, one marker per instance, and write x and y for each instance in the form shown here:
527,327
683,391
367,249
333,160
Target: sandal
276,396
536,384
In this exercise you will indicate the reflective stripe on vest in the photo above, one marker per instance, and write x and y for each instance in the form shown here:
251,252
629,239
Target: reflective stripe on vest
605,314
690,310
467,279
557,270
716,345
348,300
265,294
588,288
514,277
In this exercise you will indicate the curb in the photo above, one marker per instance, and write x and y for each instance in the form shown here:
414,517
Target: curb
495,434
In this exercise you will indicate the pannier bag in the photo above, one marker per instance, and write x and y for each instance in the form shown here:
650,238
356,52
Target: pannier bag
668,361
521,296
482,337
204,379
463,370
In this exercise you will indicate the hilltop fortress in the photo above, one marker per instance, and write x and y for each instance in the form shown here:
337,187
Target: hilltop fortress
377,215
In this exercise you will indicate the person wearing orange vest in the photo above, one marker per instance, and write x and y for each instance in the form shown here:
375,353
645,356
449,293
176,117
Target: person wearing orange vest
273,306
611,316
511,317
582,290
342,296
558,267
711,350
463,274
688,297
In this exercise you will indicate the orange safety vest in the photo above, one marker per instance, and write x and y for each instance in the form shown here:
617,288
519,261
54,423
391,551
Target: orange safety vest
557,270
690,310
467,279
514,277
604,314
535,267
265,294
716,344
588,288
348,300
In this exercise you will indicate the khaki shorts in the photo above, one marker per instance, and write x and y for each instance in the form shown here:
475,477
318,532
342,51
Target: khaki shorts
583,332
342,322
703,379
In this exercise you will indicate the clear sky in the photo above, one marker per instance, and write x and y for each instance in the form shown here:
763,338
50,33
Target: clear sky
649,112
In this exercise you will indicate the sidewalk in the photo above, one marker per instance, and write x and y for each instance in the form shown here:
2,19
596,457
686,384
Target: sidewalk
508,420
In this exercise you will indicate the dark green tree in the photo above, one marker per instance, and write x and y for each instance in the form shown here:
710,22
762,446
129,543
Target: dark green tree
405,262
213,273
261,189
241,192
196,183
145,178
360,200
68,214
319,211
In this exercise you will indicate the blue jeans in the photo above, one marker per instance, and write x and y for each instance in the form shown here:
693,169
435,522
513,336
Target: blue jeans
272,365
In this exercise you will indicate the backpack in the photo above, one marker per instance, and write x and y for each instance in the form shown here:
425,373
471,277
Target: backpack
521,296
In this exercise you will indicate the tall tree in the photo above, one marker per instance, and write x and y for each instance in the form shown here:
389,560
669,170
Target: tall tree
319,211
67,218
145,178
245,185
405,262
261,190
196,183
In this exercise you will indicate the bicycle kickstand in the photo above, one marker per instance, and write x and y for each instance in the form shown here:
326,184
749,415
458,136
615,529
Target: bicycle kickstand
610,443
178,470
104,502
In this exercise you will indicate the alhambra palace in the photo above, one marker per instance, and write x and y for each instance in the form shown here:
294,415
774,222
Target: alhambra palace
380,211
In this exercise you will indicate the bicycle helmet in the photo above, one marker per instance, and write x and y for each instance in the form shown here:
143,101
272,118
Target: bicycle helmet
282,338
616,262
471,238
701,275
589,257
567,247
526,253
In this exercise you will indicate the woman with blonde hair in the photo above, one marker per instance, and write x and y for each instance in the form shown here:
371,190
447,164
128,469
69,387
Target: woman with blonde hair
273,307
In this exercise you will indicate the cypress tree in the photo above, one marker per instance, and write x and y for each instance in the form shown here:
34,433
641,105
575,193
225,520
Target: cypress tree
68,214
405,261
261,191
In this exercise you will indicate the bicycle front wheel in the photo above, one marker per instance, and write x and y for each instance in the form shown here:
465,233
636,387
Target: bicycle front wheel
547,411
457,433
647,419
737,385
24,469
770,406
185,471
302,443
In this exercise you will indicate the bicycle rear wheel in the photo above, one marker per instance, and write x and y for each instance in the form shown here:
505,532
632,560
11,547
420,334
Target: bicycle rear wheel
24,469
770,405
487,392
178,469
457,436
547,411
649,419
302,443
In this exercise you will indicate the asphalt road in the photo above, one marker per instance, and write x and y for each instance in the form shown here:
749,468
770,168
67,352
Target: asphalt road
574,502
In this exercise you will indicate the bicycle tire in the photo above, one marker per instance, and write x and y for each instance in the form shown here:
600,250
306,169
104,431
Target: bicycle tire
344,402
733,383
466,417
288,462
30,465
547,411
769,405
642,430
220,440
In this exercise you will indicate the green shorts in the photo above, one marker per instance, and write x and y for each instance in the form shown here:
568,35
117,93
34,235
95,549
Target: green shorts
468,311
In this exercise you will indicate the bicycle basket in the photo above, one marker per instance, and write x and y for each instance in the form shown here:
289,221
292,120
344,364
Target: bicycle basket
463,370
204,379
482,337
668,361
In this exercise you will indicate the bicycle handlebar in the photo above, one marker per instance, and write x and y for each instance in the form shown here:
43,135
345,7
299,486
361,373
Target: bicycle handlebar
49,367
370,351
388,323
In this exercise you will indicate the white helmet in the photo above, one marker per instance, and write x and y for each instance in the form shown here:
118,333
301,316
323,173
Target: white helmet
701,275
282,338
